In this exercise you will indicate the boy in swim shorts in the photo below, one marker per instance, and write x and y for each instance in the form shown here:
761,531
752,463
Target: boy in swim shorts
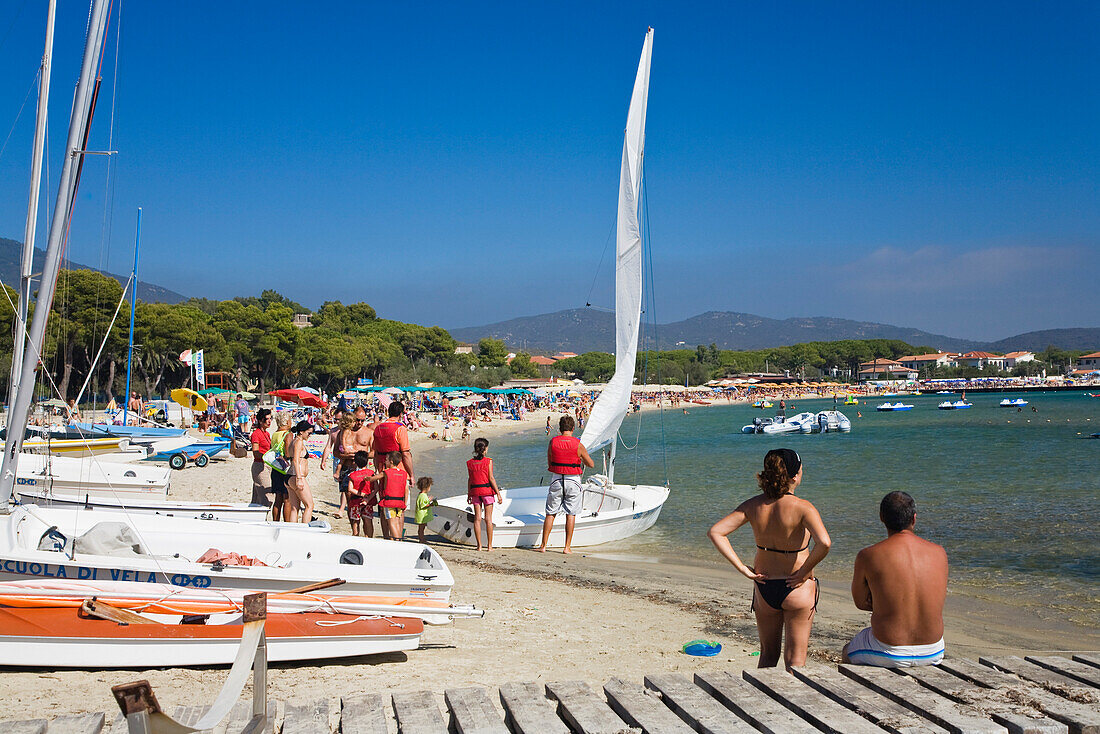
359,490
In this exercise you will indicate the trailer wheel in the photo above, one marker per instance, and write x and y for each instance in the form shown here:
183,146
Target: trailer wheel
202,460
177,461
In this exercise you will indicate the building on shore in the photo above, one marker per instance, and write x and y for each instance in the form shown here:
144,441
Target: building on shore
885,369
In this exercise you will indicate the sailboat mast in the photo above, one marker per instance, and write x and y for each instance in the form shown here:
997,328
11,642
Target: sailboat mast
133,306
78,120
27,262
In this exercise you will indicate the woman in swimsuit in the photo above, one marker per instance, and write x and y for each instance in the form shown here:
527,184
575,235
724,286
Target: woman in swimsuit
783,525
296,477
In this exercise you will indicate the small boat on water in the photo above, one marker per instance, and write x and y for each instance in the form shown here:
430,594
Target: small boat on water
800,423
851,400
888,407
1014,403
956,405
762,404
832,421
946,392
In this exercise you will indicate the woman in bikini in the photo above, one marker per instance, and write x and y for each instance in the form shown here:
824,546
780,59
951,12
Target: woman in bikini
298,486
785,590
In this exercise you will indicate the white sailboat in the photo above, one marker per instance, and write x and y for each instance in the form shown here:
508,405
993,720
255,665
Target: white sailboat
609,511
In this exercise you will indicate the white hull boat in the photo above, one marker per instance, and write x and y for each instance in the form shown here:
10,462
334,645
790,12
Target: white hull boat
832,421
800,423
157,549
228,511
1016,403
61,475
619,512
956,405
893,407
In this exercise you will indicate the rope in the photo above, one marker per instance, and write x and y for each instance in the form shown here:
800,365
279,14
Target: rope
92,366
652,310
34,83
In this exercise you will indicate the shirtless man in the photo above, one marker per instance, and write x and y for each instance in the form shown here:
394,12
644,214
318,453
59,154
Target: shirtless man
357,438
905,577
391,435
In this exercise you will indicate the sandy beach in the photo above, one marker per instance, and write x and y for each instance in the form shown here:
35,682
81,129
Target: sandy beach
590,616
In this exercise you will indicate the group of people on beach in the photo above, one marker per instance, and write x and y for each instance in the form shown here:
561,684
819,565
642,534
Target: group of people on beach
901,580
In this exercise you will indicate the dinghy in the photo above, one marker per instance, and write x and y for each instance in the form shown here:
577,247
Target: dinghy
1014,403
610,511
956,405
893,407
757,425
800,423
832,421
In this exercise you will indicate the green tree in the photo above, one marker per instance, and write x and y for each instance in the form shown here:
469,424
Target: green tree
491,353
522,366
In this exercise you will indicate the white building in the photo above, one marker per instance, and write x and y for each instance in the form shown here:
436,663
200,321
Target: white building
920,361
1014,358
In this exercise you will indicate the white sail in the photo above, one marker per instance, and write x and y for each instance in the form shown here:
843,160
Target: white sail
611,407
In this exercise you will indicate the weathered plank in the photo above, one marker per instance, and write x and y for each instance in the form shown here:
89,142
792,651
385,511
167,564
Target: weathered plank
865,702
77,724
812,706
1052,681
1082,718
311,718
29,726
695,706
1069,668
584,710
745,700
991,703
643,710
364,714
1088,658
527,710
418,714
472,712
952,716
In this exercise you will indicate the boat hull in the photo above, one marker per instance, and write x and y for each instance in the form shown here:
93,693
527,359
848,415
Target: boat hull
235,512
518,520
61,475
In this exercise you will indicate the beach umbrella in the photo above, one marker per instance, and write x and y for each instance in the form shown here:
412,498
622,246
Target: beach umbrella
461,403
52,403
301,397
393,391
189,398
313,390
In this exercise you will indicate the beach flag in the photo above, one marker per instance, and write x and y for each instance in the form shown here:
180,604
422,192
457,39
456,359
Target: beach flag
185,357
200,369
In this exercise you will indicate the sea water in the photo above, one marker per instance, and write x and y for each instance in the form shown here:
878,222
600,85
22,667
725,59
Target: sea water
1012,495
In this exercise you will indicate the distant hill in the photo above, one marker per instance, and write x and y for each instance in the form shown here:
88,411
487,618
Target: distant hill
11,252
586,330
1035,341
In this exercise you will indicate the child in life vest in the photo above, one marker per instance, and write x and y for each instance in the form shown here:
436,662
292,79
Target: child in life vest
424,504
359,492
392,492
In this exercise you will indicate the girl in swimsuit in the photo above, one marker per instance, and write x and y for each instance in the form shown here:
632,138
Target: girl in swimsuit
783,525
297,485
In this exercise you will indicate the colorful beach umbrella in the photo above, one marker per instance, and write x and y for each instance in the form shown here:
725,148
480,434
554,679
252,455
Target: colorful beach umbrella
301,397
189,399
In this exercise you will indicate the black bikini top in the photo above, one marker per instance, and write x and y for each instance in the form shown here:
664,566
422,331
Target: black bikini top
776,550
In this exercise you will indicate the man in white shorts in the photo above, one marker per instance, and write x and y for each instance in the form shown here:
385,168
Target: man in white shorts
902,581
566,458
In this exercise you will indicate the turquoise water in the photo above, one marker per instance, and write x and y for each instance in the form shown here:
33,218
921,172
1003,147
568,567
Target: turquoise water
1011,495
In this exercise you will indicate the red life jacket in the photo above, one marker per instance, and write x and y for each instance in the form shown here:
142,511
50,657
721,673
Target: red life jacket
478,484
393,488
564,457
385,437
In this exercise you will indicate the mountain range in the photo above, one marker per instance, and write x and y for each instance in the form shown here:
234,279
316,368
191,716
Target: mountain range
11,252
587,330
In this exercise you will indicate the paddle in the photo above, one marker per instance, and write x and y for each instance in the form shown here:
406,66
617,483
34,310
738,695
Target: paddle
316,587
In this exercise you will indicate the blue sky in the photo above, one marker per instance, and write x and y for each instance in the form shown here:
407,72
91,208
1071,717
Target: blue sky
927,164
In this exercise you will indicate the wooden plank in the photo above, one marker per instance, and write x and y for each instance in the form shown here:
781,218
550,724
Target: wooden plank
78,724
29,726
812,706
1052,681
865,702
952,716
584,710
642,710
472,712
1088,658
310,718
1071,669
695,706
527,710
992,703
745,700
417,713
983,675
364,714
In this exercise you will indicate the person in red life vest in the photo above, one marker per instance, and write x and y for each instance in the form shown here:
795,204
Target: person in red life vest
393,494
359,494
566,458
482,491
388,437
261,443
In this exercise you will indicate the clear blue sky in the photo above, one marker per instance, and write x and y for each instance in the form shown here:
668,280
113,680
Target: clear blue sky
934,165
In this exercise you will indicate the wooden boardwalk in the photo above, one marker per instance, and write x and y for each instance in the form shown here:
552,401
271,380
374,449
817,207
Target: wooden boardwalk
1040,695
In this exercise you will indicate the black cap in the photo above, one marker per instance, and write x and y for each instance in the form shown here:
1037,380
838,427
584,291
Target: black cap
791,462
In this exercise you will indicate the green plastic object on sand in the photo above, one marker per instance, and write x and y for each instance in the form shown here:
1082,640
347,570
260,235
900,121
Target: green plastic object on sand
702,648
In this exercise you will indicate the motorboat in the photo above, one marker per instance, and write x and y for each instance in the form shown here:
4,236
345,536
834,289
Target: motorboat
885,407
800,423
1014,403
608,512
956,405
832,421
757,425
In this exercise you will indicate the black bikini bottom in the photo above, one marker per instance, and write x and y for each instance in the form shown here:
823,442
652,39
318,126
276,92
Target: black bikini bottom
775,592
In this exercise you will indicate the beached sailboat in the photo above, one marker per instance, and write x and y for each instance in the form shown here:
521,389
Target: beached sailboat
609,511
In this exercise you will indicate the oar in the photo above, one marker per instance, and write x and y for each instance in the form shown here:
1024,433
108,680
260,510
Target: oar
315,587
